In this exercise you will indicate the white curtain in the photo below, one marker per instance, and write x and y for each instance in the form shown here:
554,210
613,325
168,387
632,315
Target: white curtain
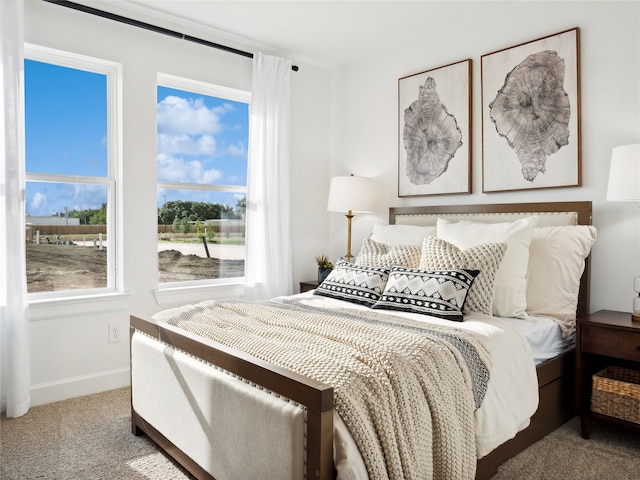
13,282
268,260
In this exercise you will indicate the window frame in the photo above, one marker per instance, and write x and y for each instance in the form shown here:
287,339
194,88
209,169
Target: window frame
169,289
112,180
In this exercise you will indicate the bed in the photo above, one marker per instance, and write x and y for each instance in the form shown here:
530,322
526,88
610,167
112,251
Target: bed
224,413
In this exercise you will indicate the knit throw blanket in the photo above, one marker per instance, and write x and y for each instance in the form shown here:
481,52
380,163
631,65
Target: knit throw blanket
407,391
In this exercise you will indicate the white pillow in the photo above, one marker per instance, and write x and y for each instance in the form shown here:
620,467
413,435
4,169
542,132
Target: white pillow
556,262
394,235
510,299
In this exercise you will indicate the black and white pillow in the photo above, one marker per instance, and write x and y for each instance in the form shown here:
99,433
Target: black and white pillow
354,283
439,293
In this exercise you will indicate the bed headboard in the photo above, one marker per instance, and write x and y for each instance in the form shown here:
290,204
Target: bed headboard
550,214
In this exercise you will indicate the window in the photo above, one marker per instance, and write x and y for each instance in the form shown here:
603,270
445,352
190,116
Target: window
71,172
202,140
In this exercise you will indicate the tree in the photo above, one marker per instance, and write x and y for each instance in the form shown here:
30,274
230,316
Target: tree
210,234
83,215
241,206
185,227
202,211
99,217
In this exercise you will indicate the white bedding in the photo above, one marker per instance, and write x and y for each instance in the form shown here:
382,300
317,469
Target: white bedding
511,398
544,336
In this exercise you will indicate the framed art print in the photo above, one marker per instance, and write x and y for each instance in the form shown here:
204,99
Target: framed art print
531,115
434,131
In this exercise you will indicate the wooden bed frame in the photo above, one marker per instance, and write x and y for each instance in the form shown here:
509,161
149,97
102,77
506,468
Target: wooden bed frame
555,376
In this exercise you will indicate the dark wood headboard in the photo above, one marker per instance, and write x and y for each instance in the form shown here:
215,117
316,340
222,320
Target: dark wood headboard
551,213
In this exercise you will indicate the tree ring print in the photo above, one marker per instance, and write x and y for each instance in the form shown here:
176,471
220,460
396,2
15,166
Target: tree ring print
532,110
431,136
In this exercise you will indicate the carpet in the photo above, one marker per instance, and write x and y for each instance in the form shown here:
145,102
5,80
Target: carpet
90,438
82,438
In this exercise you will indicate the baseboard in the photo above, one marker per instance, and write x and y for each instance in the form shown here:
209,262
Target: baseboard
79,386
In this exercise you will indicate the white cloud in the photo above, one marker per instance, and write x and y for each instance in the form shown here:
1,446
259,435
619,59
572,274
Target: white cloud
193,117
87,197
53,198
186,129
211,176
176,169
186,144
39,199
237,150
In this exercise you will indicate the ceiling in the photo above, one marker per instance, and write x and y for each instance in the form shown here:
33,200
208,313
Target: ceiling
328,34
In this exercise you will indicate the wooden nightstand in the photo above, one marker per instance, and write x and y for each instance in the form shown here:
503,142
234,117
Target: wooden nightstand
309,285
603,338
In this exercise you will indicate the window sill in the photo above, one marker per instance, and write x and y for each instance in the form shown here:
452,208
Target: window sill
194,293
48,308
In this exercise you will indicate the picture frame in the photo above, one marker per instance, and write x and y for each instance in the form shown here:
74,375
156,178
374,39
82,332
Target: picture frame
434,131
531,115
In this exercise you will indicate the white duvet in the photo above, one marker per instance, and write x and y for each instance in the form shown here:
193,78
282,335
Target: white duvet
510,401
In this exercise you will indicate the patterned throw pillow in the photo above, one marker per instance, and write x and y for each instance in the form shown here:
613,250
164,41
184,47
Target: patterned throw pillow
354,283
439,255
374,254
439,293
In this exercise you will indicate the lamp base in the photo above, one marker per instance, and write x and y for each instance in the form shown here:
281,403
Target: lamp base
635,317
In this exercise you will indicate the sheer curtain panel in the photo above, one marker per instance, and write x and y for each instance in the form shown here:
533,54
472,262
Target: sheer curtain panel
13,281
268,260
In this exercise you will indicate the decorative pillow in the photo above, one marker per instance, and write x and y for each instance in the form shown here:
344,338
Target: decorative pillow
374,254
439,293
394,235
556,262
510,299
438,254
353,283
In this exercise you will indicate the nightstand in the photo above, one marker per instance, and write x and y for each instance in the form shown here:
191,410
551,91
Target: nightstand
603,338
309,285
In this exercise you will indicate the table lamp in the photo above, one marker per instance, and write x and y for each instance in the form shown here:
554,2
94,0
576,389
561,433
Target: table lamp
624,186
351,194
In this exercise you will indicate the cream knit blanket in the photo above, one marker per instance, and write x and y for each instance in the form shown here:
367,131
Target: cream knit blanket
403,388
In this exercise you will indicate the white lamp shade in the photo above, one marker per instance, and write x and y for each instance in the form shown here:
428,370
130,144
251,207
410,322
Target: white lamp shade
352,193
624,174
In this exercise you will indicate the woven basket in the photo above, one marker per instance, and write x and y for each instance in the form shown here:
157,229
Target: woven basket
616,392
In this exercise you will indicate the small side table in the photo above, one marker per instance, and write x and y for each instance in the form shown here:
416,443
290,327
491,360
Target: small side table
603,338
308,285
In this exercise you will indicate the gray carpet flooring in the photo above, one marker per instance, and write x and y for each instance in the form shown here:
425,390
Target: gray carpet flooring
90,438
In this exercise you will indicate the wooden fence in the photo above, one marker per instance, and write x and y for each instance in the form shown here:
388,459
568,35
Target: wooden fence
93,230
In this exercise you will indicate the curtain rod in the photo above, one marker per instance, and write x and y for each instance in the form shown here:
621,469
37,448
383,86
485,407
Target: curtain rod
153,28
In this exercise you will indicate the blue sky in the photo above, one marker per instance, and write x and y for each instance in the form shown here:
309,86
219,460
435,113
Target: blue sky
201,139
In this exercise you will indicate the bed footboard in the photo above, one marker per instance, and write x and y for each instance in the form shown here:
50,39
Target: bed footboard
290,415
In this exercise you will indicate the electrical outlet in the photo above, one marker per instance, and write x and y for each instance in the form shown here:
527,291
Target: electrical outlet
114,334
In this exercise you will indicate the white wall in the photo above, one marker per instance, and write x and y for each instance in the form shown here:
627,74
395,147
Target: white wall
342,121
364,137
70,354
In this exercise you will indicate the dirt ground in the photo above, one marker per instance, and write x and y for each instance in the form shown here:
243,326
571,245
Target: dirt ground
67,267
